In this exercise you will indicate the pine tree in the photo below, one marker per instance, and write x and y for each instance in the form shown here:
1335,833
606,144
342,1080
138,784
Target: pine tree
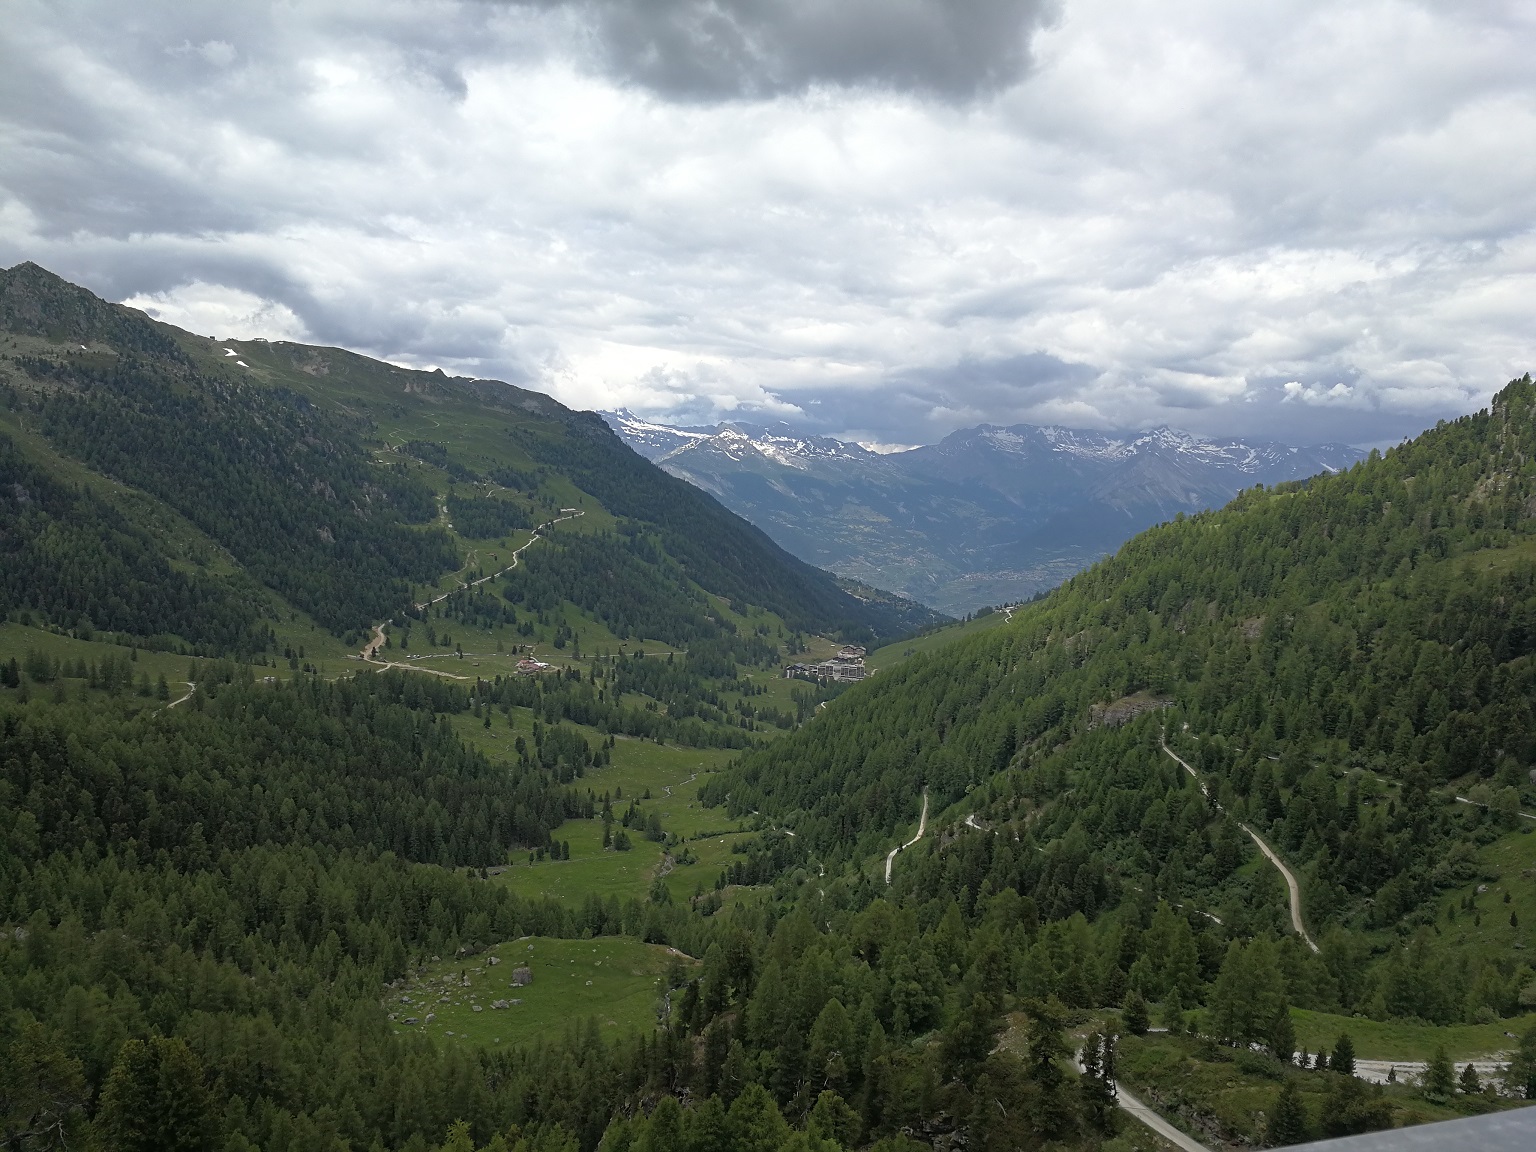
42,1093
708,1129
1470,1084
1134,1014
877,1076
755,1123
1280,1035
1521,1075
1050,1110
1343,1055
1097,1081
1440,1076
831,1041
969,1038
1288,1119
1173,1011
664,1129
1227,1001
154,1100
832,1119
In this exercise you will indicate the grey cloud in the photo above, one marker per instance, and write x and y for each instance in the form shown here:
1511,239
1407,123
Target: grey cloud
923,404
714,49
1161,213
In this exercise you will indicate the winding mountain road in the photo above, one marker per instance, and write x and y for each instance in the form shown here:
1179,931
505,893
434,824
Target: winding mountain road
1132,1104
922,826
370,652
1290,877
1137,1108
516,552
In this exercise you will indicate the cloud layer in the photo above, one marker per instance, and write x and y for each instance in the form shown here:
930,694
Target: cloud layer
714,49
884,218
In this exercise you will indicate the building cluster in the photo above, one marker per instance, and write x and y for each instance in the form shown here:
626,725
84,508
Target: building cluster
528,666
846,667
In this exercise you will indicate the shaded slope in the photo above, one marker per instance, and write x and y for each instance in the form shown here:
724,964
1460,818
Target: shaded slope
275,453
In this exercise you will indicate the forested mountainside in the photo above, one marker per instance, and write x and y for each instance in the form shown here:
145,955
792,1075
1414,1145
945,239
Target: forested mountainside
1340,661
275,456
564,862
207,893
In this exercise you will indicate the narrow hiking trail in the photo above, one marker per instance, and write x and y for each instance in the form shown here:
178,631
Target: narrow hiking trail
516,552
370,652
191,688
667,788
1290,877
922,826
1480,804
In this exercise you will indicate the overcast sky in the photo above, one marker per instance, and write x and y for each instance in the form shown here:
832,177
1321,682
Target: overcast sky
889,218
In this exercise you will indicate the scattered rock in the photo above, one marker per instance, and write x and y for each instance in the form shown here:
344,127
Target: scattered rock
522,976
1124,710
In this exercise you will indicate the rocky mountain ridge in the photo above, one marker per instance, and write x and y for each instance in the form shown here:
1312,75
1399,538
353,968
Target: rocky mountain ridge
987,515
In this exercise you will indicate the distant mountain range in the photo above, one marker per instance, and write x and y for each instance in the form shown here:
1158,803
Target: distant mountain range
988,515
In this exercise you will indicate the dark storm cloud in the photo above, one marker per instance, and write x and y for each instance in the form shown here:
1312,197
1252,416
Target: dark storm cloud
714,49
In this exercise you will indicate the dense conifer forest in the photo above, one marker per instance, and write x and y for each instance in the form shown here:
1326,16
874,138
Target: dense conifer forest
1338,660
230,864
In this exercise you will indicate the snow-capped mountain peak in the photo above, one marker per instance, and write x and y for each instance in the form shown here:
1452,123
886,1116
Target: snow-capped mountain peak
652,440
986,515
735,439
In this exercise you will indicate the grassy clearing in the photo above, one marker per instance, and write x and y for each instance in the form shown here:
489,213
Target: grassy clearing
592,869
1497,559
711,857
1502,888
1386,1040
638,767
16,640
613,980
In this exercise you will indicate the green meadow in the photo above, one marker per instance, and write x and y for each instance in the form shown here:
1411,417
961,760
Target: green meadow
616,982
1395,1040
